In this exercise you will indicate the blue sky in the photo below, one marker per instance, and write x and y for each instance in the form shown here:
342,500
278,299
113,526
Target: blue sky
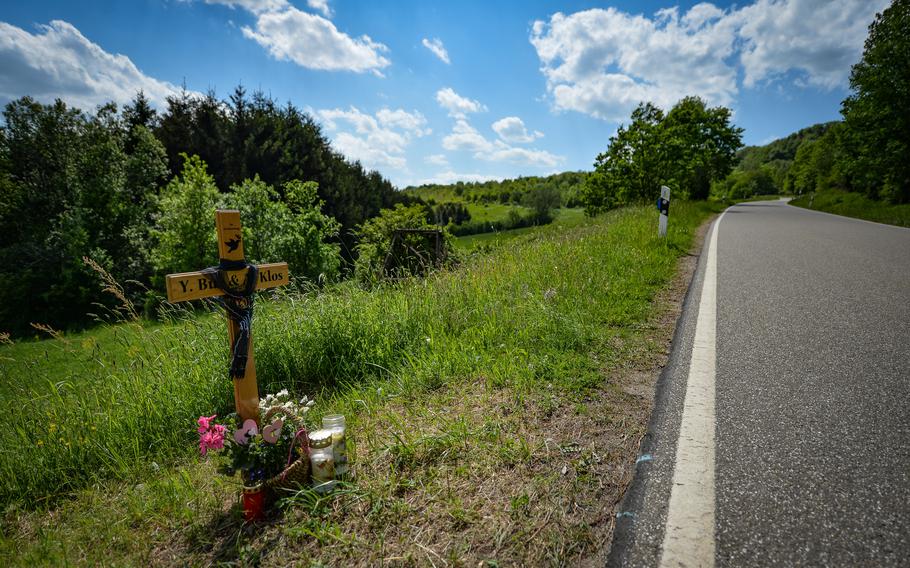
446,91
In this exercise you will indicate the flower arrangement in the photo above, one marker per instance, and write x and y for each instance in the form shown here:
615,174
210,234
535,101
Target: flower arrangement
258,453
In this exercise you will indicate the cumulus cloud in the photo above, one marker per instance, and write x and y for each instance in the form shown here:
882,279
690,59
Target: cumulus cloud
437,160
466,137
439,50
512,129
457,105
782,35
526,156
254,6
314,42
603,62
378,140
59,62
321,6
413,122
449,177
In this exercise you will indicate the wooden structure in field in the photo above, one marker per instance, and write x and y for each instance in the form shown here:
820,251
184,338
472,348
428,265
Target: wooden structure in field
414,252
233,283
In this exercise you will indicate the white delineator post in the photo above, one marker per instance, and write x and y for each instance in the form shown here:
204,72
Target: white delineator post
663,206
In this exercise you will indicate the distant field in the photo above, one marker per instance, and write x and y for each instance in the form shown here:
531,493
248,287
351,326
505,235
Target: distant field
493,211
565,218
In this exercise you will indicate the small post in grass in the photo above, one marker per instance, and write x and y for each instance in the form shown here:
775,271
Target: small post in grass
663,206
233,282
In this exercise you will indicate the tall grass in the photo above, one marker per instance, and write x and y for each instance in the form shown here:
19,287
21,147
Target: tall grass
544,307
856,205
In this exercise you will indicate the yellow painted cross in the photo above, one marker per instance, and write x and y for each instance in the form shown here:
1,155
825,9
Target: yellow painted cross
195,285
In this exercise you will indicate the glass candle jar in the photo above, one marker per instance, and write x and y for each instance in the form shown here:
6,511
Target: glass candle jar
322,461
335,424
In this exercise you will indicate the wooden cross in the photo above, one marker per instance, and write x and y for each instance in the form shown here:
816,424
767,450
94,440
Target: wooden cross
196,285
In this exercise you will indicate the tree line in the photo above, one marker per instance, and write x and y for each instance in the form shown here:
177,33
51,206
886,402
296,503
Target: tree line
695,150
687,149
508,191
867,151
134,190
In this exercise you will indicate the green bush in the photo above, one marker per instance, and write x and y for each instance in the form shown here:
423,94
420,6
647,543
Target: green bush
294,230
413,254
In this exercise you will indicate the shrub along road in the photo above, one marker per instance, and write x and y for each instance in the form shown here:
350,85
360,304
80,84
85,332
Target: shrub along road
795,442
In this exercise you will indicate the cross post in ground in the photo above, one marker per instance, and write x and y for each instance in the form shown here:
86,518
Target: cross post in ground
236,296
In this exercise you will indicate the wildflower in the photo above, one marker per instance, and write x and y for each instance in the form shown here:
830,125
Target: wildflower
212,440
204,422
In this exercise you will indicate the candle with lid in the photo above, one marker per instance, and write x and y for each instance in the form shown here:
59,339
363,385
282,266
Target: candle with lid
335,424
322,461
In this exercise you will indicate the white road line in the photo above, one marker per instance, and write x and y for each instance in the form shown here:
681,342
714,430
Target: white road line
689,533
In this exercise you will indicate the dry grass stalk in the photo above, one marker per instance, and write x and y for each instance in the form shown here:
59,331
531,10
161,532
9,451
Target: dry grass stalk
50,331
113,287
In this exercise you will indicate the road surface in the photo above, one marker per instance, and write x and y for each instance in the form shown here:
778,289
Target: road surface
789,380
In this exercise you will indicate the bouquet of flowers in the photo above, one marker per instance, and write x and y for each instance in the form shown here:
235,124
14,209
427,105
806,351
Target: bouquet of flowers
259,454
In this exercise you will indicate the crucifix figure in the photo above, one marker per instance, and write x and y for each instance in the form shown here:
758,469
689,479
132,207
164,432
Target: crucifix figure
233,283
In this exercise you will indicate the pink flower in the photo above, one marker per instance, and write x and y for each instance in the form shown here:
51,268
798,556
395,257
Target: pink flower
212,440
204,422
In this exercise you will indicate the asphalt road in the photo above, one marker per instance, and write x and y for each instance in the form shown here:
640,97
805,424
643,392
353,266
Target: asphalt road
811,395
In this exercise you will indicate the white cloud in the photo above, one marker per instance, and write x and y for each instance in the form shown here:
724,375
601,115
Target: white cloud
604,62
457,105
512,129
371,155
449,177
466,137
538,158
59,62
781,36
377,141
411,121
321,6
439,50
314,42
437,160
254,6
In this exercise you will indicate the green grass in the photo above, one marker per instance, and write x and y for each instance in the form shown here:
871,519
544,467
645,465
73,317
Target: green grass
565,219
856,205
492,211
445,382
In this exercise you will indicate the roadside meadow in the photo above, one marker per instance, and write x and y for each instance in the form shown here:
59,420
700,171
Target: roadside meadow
495,411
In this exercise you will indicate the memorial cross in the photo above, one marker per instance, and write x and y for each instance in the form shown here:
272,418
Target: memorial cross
233,273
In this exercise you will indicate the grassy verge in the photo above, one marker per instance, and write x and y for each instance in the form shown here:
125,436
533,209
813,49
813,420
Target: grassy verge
856,205
495,409
565,219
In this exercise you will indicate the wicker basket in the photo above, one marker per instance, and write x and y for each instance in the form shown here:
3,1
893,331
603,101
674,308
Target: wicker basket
297,474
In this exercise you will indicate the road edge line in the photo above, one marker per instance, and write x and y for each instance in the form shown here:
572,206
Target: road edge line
689,529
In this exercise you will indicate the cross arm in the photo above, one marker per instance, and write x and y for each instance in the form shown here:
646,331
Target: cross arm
196,285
